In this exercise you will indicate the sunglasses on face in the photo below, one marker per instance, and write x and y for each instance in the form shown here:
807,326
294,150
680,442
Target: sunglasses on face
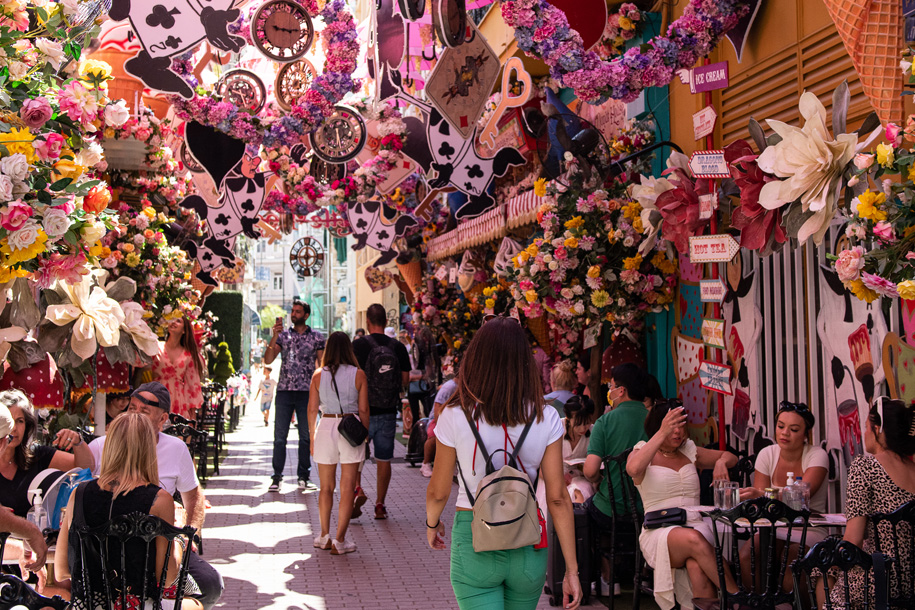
795,407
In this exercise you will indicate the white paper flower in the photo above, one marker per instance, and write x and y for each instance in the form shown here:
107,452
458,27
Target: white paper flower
9,335
6,189
134,324
15,166
812,165
25,235
116,114
51,49
55,222
92,232
98,318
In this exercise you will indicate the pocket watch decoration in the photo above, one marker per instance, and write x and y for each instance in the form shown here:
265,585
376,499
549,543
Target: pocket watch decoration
307,257
324,172
282,30
412,9
340,137
450,20
243,89
189,161
292,82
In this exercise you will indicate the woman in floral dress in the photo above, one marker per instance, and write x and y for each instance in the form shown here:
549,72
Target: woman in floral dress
179,367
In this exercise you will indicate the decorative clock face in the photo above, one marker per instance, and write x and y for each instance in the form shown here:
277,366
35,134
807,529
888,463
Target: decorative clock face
412,9
282,30
340,137
292,81
324,172
189,161
307,257
243,89
450,20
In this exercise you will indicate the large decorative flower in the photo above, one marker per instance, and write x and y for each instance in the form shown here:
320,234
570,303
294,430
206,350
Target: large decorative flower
680,209
647,193
135,324
760,229
812,165
97,318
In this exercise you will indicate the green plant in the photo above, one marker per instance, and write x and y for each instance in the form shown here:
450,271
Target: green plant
221,366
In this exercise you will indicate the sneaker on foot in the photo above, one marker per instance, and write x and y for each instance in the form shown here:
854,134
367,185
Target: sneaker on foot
380,511
306,484
426,470
361,499
275,484
323,542
342,547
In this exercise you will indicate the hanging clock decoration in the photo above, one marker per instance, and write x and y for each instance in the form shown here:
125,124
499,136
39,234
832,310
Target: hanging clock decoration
282,30
189,161
450,20
292,81
307,257
340,137
412,9
243,89
324,172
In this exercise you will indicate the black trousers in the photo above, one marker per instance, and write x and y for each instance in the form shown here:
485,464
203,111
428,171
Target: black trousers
208,579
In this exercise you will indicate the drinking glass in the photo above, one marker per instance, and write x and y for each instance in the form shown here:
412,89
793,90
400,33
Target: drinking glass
727,494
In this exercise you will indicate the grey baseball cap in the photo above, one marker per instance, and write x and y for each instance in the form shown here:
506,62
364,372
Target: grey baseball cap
159,391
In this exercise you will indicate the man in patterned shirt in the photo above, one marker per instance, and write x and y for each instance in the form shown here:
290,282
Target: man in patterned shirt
302,350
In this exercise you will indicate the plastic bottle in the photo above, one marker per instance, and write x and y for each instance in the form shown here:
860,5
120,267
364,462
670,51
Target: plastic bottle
790,480
791,494
804,492
37,514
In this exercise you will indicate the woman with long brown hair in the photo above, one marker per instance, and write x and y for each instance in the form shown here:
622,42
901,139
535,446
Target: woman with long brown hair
500,392
179,367
339,388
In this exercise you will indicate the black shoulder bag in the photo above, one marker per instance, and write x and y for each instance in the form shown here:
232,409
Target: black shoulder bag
350,427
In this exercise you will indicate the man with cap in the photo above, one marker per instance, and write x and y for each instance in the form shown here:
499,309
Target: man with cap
9,522
176,473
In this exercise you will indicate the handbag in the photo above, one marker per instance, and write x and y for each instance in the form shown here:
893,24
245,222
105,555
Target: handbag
350,428
665,518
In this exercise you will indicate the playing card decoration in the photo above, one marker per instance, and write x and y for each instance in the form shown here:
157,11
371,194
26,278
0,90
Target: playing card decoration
455,158
307,257
387,43
462,81
377,224
167,28
243,89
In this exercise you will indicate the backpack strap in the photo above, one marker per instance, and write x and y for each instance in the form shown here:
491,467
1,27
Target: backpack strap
521,438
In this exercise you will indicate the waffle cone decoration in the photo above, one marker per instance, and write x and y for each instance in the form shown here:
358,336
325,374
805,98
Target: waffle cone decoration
540,328
412,273
872,32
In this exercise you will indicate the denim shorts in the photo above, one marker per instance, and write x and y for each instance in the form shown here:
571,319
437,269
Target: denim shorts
382,429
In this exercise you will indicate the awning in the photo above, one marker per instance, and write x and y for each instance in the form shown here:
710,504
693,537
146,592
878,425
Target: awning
516,212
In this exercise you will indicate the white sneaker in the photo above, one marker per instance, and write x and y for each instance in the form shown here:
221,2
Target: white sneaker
426,470
342,548
323,542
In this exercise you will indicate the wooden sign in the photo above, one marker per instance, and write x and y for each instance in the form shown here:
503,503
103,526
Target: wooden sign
709,164
712,248
715,377
712,291
710,77
713,333
704,122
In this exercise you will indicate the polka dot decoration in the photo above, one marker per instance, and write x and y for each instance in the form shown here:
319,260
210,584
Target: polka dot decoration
621,350
695,400
690,311
112,378
40,382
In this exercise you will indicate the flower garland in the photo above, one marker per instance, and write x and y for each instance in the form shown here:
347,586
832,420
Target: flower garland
342,48
621,27
543,31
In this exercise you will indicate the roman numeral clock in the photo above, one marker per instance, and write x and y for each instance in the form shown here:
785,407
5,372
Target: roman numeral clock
282,30
307,257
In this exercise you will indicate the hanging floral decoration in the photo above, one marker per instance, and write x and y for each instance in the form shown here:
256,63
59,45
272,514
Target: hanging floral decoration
339,38
432,301
543,31
496,297
622,26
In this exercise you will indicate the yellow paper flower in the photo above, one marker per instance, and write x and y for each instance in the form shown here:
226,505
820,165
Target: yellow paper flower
12,256
9,273
457,344
540,187
490,303
600,298
885,155
633,262
570,243
94,72
149,212
626,23
906,290
576,222
593,271
531,296
19,140
861,291
868,203
67,168
132,259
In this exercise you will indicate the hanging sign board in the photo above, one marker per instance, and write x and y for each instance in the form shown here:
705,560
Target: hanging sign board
592,335
708,203
704,122
713,333
712,291
709,164
705,78
712,248
715,377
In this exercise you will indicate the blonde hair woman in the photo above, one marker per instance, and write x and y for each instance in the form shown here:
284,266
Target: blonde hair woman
127,483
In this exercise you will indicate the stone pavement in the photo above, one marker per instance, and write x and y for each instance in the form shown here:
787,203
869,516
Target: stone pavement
261,542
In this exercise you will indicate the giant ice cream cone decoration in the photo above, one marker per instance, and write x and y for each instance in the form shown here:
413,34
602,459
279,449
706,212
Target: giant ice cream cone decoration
412,273
872,33
540,328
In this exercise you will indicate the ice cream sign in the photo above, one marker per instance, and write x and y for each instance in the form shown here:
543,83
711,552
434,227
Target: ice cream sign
705,78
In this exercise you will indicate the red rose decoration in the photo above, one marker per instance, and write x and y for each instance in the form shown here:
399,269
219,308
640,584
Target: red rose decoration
760,229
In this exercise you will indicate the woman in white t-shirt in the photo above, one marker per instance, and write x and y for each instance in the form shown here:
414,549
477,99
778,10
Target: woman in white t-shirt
791,453
499,388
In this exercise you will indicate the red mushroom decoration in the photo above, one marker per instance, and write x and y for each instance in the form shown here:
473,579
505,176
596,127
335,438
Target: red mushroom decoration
112,378
40,382
622,349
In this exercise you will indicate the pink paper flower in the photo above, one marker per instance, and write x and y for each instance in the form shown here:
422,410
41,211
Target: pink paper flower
49,148
884,231
35,112
850,263
880,285
14,214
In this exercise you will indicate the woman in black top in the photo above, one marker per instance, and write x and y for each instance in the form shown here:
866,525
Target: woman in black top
20,462
127,483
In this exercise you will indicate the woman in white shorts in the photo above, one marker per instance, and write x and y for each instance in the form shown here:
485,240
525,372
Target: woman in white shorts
338,388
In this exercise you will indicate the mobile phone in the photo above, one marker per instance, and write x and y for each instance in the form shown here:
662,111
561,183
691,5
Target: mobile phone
279,319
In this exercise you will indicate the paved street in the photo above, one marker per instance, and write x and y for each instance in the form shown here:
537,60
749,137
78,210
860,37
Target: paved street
262,542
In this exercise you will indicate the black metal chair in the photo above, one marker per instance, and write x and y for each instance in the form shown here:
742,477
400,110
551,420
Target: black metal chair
15,592
197,444
96,546
176,419
758,516
211,419
845,557
624,530
893,533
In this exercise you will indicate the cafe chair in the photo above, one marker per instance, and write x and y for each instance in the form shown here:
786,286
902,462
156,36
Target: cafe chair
107,545
843,558
16,593
757,516
197,444
624,531
894,535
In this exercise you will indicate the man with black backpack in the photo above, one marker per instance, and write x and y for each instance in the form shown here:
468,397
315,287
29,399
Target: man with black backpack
387,366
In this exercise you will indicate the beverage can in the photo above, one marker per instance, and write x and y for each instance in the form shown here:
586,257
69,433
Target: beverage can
771,493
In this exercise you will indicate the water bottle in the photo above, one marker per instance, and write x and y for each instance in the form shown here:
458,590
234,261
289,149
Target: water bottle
804,492
790,481
37,514
791,494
